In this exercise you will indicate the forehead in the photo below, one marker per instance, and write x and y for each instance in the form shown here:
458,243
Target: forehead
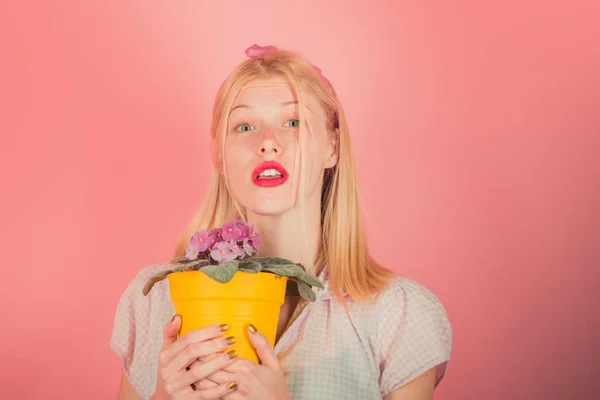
271,91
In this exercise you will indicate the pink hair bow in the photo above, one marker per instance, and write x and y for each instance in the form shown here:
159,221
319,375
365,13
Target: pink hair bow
256,51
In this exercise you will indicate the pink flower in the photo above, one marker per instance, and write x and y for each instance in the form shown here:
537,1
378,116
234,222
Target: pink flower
231,231
247,246
191,252
222,252
236,248
243,227
254,238
216,236
201,240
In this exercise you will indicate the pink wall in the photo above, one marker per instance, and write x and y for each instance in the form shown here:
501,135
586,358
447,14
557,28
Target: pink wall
483,119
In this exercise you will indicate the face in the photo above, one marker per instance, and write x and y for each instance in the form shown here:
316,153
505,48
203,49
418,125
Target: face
262,142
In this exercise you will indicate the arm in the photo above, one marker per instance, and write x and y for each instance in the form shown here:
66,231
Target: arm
420,388
126,391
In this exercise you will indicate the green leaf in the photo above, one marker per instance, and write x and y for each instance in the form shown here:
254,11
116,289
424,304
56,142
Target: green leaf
222,273
180,260
250,266
310,280
195,265
275,261
180,268
189,266
282,269
293,270
305,291
153,280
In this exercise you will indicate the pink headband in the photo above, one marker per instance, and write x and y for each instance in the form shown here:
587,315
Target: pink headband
256,51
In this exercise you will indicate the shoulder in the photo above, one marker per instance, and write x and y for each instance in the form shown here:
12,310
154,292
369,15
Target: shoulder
403,293
413,333
138,314
156,303
134,288
141,277
409,308
402,311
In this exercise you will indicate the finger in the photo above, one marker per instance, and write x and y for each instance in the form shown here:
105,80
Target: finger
195,336
202,370
239,394
175,390
265,352
195,350
208,358
245,372
203,383
171,330
207,382
219,377
216,392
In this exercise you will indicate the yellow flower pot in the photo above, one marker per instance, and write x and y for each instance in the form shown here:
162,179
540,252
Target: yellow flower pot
249,298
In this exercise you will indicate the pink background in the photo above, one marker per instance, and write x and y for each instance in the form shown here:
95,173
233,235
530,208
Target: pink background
481,119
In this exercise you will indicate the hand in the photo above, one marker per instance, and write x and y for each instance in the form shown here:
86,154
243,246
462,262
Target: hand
265,381
175,373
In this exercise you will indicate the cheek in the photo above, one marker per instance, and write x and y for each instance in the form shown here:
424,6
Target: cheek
317,155
312,166
237,154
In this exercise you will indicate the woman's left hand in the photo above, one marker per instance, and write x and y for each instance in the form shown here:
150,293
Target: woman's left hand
263,381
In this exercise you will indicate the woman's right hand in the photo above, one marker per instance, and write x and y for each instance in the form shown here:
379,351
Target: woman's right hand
175,379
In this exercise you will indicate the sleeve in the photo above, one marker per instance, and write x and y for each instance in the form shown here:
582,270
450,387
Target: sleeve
137,331
414,335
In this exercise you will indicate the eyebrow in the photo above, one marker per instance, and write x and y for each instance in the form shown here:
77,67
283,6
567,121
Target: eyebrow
285,103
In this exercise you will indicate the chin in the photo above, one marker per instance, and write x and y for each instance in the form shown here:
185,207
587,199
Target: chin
264,201
268,207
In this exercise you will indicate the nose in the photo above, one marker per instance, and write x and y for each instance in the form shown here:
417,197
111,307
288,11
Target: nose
269,149
269,144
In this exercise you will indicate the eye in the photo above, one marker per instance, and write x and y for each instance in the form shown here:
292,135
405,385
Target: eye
244,127
293,123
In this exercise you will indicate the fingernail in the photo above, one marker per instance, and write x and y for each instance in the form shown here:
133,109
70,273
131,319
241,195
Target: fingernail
230,340
232,385
174,316
232,354
252,328
223,327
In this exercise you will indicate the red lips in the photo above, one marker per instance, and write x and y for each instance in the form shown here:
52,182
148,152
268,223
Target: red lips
269,181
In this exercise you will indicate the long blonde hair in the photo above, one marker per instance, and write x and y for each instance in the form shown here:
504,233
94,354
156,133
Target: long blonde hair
343,248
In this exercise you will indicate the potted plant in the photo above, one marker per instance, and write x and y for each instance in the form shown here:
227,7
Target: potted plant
221,280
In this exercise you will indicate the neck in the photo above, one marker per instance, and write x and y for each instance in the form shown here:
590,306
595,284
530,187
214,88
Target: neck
284,236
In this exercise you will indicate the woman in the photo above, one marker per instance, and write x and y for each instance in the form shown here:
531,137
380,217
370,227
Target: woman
283,162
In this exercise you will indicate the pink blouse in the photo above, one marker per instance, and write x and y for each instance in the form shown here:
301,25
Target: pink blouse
328,352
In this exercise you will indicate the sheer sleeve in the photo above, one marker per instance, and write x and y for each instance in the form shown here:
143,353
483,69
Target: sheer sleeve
414,335
138,327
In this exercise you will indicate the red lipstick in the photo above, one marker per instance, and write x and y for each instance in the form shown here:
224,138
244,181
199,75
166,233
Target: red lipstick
273,174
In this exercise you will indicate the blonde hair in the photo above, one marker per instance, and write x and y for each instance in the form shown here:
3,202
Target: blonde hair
343,247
